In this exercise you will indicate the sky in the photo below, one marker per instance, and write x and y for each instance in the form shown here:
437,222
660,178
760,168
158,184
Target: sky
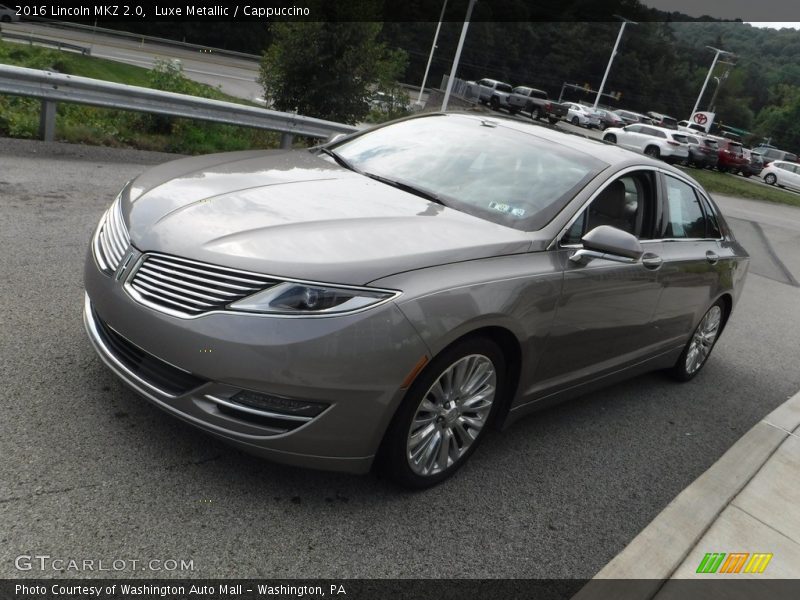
773,11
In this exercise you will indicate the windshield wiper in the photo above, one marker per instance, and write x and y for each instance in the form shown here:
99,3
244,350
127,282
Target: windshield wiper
407,187
340,160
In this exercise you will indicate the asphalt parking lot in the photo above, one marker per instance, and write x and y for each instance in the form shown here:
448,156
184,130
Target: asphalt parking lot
91,471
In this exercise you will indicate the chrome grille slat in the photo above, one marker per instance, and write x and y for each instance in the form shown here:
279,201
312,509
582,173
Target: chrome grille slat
160,290
113,239
191,288
152,280
223,294
264,281
241,288
165,301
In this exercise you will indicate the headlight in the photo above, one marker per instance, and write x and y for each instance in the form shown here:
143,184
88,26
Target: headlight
291,298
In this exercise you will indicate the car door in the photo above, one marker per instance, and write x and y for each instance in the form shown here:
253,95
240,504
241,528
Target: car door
792,178
694,260
603,320
628,137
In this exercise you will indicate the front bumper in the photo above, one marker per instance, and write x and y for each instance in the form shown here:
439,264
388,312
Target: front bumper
354,363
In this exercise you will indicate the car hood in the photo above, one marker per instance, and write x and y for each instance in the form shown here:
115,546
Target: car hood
297,215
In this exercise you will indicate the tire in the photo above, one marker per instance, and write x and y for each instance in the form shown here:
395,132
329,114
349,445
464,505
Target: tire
553,120
745,174
494,103
535,113
652,152
610,137
512,111
448,420
699,347
770,179
5,19
575,121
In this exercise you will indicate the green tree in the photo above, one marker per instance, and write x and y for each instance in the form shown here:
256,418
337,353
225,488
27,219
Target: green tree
328,70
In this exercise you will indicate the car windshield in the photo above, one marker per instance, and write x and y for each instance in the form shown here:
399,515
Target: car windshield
477,166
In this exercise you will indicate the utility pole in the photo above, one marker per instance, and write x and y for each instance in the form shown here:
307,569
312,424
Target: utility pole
458,55
611,59
711,70
430,58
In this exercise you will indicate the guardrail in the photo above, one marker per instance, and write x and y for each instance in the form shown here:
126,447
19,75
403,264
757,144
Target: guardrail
32,39
52,88
139,37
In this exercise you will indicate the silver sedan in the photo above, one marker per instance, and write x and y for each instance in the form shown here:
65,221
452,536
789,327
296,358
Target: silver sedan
384,299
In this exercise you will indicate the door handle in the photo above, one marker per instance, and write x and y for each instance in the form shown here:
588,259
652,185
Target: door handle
652,261
711,257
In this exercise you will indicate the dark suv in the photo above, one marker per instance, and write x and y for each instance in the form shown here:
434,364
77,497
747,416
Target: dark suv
703,152
770,153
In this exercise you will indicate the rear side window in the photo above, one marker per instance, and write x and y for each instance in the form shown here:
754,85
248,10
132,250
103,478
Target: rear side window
790,156
503,87
686,218
681,138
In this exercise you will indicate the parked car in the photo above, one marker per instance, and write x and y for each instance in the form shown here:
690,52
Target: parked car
580,115
609,118
654,141
691,127
7,15
387,297
782,173
754,163
730,156
703,152
490,91
664,121
536,104
771,153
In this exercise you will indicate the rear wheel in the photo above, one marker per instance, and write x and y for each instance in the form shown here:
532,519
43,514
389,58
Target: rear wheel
699,346
553,120
652,151
770,178
535,113
445,414
610,137
512,110
494,103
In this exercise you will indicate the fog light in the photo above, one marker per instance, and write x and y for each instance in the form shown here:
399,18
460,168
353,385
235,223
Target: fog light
278,404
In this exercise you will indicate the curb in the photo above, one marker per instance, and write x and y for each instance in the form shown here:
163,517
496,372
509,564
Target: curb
660,548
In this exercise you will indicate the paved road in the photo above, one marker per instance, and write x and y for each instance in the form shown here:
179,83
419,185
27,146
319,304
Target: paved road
235,76
89,470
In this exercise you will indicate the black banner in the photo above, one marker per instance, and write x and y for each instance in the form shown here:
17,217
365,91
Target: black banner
109,11
730,588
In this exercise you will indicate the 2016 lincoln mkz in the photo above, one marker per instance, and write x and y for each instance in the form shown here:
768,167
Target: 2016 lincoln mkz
385,298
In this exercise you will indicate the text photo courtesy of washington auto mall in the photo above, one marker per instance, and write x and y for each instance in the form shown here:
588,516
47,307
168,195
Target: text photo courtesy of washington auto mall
465,299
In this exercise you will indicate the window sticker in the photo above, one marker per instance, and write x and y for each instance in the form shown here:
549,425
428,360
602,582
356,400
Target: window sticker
507,209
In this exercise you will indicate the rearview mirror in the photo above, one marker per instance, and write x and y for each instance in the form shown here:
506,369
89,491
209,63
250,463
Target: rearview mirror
609,243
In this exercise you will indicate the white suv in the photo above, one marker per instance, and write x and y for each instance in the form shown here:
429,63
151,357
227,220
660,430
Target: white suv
658,142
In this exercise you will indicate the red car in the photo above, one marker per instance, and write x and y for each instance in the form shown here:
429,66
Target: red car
730,157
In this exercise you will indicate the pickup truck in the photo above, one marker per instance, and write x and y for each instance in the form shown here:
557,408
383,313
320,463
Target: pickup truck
490,91
536,103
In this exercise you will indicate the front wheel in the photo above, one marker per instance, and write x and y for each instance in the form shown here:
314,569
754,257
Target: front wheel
610,137
445,414
575,121
699,346
494,103
770,179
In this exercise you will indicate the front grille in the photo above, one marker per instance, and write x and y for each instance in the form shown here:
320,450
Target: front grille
147,367
192,288
112,239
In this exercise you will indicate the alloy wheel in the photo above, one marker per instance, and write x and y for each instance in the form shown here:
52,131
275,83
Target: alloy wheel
703,340
451,415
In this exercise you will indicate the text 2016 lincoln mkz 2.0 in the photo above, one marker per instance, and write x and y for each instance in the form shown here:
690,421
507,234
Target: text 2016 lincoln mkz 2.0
385,298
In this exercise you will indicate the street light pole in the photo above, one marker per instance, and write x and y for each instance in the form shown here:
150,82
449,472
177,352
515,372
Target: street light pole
720,81
710,71
430,58
458,55
611,59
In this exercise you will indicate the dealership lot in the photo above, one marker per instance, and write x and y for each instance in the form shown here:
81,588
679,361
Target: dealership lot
94,472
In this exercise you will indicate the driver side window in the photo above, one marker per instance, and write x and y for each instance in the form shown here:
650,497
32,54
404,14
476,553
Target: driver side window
627,203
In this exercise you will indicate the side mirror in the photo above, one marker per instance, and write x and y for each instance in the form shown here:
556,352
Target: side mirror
609,243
